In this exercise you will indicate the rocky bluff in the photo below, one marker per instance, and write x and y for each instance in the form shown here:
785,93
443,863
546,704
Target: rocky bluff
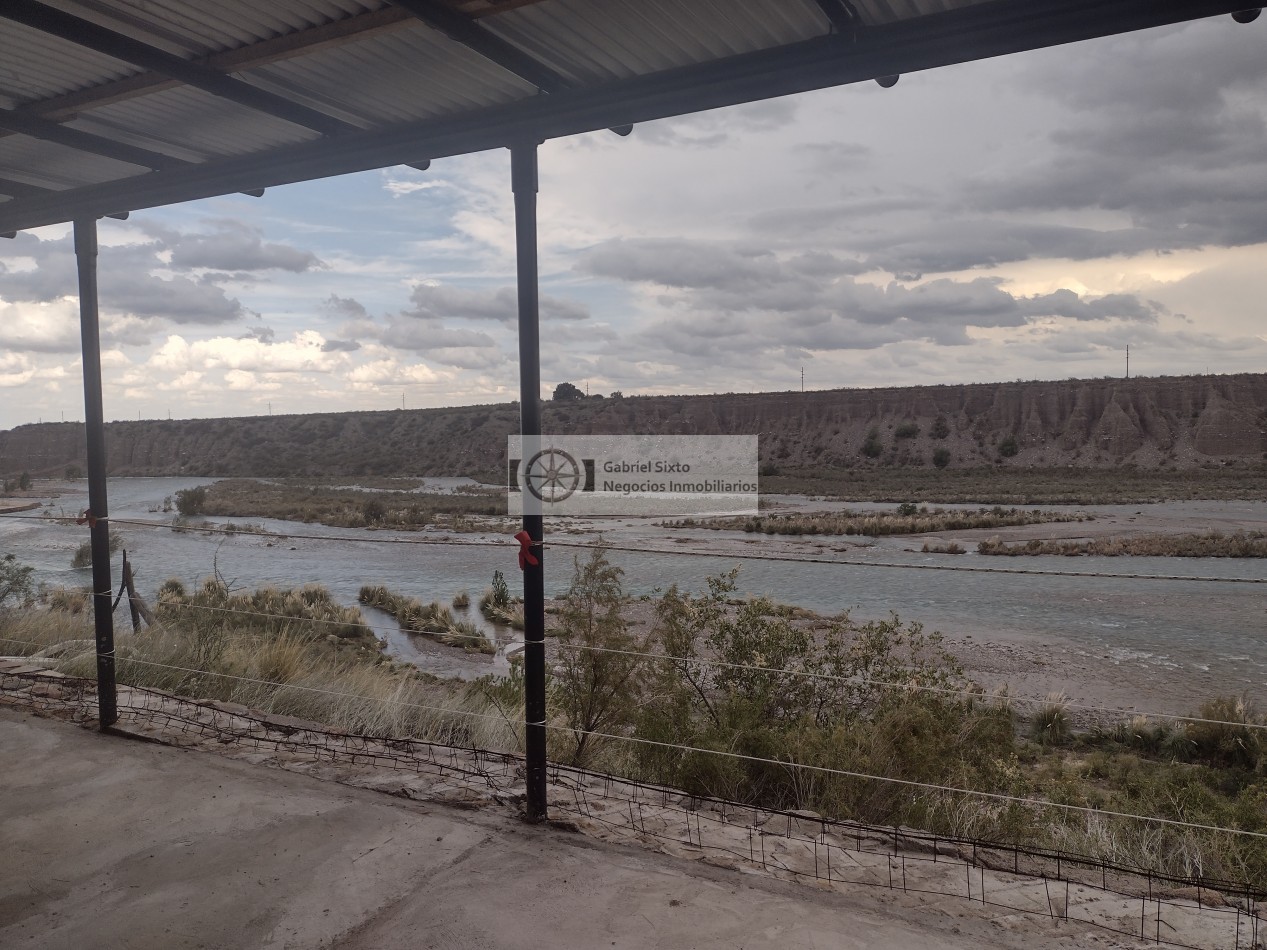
1179,422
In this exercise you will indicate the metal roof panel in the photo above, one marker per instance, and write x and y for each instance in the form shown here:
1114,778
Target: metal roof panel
191,124
34,65
409,74
597,40
194,29
48,165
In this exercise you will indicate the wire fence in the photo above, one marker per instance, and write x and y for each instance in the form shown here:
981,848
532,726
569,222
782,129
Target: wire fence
1104,713
233,530
1004,880
1107,713
905,851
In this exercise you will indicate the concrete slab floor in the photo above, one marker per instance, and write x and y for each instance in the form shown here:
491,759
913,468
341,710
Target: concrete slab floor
111,843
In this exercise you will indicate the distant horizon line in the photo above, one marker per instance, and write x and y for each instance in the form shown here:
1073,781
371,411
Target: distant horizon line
607,398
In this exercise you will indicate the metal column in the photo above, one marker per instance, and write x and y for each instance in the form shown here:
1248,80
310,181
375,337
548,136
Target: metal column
98,510
523,178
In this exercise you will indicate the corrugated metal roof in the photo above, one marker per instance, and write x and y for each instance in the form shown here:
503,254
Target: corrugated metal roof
599,40
453,76
195,28
34,66
190,124
47,165
403,76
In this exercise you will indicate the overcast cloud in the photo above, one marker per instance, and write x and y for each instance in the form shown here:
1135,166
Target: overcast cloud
1027,217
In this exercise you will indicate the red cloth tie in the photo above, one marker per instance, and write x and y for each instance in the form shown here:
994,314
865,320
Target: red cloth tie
87,517
525,550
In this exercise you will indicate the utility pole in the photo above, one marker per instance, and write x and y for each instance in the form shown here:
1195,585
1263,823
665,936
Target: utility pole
1128,361
802,379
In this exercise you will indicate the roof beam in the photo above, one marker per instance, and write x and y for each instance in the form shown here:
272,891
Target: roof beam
87,34
18,189
841,14
86,141
465,30
994,29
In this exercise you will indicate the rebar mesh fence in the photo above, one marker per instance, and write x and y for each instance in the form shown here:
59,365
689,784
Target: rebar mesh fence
1033,882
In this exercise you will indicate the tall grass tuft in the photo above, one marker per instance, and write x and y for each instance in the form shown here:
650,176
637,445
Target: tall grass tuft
1050,725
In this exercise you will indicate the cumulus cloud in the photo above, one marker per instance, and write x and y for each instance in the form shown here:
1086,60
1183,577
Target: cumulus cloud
302,353
130,281
812,290
231,245
340,346
713,129
445,301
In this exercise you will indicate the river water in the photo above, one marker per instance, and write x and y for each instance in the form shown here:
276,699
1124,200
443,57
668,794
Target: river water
1214,628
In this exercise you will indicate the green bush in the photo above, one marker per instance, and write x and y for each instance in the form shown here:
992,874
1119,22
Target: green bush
940,429
15,580
873,447
941,457
83,553
1008,447
191,501
907,430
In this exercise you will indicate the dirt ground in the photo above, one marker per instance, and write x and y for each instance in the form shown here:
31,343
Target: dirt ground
123,844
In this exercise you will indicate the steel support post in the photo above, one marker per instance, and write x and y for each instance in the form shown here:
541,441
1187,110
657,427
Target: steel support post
98,508
523,176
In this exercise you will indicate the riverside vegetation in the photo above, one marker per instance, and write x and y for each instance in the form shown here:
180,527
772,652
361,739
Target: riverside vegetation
1209,544
907,518
1015,485
346,506
434,619
767,687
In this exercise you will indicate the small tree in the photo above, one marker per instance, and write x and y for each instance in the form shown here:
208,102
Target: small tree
15,580
873,447
941,457
191,501
566,392
1008,447
940,429
373,511
500,596
24,481
597,689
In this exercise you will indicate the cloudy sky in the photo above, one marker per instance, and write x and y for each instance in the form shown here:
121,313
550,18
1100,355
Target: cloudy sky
1022,218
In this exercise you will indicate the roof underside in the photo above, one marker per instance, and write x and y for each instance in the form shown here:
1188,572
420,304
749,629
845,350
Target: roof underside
109,106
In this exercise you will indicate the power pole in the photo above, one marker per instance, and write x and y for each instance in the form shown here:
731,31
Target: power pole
802,379
1128,361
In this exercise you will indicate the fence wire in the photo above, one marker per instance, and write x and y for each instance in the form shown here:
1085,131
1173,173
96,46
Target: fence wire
1037,883
237,531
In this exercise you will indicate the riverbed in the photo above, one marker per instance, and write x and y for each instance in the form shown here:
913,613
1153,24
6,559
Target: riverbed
1158,634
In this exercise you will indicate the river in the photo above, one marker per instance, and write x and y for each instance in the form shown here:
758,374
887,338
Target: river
1211,627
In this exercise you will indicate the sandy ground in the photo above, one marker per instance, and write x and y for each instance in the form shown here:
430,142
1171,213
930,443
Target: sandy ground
123,844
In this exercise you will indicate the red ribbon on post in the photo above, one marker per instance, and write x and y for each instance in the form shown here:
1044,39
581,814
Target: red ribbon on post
526,556
87,517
